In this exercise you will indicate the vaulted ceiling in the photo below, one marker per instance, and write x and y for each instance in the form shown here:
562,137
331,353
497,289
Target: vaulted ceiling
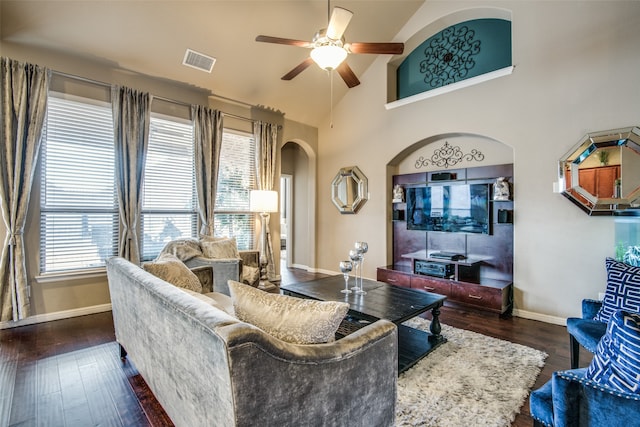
151,37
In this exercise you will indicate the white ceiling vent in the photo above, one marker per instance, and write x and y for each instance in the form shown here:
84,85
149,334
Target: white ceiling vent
198,61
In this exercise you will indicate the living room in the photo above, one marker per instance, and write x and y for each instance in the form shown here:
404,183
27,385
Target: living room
573,74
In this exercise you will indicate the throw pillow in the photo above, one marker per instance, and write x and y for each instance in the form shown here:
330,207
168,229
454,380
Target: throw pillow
183,249
623,289
170,269
220,248
250,275
616,362
294,320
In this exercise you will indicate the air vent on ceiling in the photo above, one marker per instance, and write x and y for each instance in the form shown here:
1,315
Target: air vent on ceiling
198,61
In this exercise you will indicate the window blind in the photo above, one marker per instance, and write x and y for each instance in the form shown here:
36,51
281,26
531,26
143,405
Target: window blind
236,178
169,204
78,210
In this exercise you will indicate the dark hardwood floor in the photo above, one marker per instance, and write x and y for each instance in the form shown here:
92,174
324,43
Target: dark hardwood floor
68,372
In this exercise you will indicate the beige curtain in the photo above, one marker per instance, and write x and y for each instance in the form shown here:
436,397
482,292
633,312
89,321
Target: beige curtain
24,104
131,117
207,132
266,135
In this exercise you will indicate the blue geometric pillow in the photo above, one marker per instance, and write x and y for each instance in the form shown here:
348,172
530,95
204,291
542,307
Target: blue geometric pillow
623,289
616,362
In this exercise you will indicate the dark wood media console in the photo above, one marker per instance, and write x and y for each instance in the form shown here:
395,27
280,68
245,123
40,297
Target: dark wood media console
483,277
492,295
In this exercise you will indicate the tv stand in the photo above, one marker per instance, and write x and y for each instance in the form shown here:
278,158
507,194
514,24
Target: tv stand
486,294
471,269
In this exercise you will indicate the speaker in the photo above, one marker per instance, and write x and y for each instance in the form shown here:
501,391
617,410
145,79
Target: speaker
505,216
443,176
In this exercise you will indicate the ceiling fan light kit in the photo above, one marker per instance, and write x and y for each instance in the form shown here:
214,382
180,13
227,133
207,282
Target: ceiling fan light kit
328,56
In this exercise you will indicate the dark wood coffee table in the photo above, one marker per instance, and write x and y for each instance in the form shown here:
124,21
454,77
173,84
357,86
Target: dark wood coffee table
382,301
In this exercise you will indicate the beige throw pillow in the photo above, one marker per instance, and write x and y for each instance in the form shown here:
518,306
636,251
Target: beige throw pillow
183,249
170,269
294,320
220,248
250,275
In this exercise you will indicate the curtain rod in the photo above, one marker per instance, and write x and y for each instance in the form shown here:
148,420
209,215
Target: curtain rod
88,80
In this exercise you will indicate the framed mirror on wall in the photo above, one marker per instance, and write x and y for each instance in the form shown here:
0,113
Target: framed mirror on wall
601,174
349,190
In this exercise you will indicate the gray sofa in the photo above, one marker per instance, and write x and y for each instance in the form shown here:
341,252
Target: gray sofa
206,368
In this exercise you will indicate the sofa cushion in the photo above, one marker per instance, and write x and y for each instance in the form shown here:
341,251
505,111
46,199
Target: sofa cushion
219,247
290,319
183,249
616,362
214,299
170,269
623,289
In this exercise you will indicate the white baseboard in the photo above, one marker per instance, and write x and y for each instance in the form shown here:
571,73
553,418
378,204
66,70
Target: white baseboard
58,315
541,317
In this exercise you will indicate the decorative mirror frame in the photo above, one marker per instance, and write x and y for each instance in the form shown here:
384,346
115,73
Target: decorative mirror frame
623,196
340,192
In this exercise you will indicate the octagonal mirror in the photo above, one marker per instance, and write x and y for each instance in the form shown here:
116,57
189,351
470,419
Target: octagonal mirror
601,174
349,190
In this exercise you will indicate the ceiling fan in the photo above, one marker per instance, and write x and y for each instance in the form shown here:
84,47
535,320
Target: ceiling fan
329,49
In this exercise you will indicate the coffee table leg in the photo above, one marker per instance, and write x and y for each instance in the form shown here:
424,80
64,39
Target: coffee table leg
435,327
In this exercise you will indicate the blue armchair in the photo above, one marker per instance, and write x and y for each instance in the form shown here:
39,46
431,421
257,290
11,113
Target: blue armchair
585,331
571,400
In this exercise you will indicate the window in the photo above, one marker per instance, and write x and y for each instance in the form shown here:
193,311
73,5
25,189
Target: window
236,178
169,204
78,208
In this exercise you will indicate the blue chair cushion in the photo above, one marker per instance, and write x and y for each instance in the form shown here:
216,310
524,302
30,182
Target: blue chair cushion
586,332
541,404
616,362
623,289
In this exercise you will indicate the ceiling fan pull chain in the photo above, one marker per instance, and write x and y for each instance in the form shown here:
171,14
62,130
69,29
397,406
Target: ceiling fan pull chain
331,99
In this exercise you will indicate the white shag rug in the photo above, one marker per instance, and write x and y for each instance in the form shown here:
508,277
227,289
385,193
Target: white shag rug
472,379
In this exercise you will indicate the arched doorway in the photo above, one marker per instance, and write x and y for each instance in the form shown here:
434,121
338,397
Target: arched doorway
298,167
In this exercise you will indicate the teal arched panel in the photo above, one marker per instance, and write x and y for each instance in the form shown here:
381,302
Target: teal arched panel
457,53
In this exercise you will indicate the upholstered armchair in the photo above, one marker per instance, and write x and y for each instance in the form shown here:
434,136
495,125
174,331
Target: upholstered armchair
569,399
585,330
607,393
241,266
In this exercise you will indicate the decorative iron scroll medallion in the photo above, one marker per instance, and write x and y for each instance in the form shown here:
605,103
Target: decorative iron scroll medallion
447,156
450,56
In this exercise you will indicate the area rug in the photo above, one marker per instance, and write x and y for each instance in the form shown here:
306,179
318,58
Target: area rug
472,379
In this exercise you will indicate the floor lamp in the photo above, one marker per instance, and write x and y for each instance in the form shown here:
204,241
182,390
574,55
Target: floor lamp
263,202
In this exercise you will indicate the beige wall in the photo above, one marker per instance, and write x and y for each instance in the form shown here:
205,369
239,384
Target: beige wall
575,72
52,295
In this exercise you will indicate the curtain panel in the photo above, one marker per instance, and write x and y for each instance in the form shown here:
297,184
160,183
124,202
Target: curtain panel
266,136
207,133
23,108
131,118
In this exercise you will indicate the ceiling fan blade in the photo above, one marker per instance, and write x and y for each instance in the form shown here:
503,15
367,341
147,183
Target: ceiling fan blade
279,40
380,48
338,23
347,74
298,69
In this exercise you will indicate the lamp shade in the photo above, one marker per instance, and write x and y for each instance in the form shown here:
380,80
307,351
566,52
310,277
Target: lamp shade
328,57
263,201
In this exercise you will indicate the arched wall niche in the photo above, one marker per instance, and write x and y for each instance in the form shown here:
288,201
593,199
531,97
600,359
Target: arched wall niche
493,152
434,27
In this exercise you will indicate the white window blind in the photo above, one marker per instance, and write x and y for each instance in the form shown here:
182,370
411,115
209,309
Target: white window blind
169,205
78,210
236,178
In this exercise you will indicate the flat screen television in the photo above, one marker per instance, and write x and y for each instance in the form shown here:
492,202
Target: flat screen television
461,208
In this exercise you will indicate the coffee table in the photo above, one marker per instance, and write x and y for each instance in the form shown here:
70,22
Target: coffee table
382,301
